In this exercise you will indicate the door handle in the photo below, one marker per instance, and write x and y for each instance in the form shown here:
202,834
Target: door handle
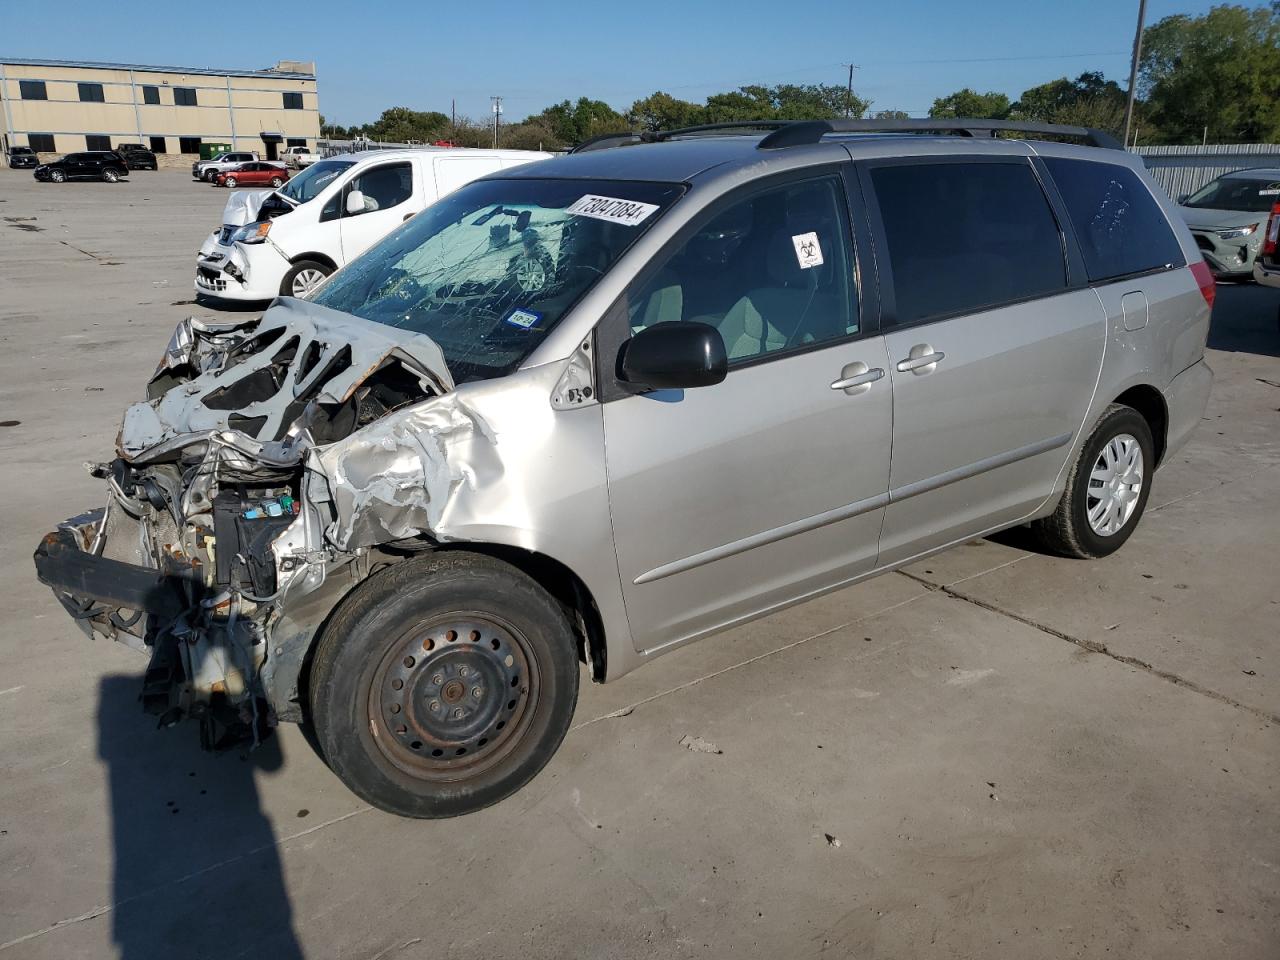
918,362
855,378
406,217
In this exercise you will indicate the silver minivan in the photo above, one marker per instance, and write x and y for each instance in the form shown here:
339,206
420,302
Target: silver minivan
592,409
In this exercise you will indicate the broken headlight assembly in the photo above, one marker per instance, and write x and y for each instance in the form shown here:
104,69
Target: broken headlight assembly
252,232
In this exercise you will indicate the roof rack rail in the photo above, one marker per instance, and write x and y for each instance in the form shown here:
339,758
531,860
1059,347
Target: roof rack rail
811,131
605,141
793,133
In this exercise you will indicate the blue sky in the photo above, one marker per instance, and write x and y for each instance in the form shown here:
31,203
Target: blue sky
372,54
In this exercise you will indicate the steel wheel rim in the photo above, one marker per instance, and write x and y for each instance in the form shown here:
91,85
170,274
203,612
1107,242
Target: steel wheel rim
1115,485
424,713
306,281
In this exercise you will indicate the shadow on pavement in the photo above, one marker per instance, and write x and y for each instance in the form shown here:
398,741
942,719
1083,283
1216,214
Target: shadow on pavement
1246,319
197,872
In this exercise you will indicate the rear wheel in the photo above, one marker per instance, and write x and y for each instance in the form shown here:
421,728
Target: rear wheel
443,685
110,176
303,277
1107,488
276,182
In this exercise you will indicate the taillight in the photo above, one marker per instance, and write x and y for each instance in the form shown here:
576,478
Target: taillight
1272,237
1204,278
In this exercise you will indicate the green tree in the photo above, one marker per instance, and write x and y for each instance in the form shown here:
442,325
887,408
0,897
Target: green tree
1086,101
891,115
661,111
400,125
970,103
1216,75
574,122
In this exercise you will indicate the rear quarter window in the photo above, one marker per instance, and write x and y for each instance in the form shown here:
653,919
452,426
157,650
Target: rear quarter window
967,236
1120,227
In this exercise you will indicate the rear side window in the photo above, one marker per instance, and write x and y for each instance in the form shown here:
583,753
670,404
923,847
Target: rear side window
1121,229
964,236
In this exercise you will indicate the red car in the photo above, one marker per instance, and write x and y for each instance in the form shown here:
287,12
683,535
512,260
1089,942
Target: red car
253,175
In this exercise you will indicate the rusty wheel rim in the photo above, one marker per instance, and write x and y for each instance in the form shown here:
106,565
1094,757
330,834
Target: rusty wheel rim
452,697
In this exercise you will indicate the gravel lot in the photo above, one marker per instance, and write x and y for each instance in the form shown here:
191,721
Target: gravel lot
992,754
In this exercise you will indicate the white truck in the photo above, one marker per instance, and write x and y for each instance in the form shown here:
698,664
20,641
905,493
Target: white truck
285,242
208,170
298,157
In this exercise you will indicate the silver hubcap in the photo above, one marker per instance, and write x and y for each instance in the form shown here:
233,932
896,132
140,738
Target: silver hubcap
306,281
1115,484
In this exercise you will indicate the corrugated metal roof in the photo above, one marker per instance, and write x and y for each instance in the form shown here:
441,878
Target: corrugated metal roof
197,71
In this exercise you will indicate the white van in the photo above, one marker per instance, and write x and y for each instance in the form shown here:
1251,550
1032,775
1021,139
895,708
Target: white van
284,242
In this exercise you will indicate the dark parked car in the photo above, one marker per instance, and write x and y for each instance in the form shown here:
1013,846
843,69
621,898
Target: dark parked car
90,165
137,157
22,157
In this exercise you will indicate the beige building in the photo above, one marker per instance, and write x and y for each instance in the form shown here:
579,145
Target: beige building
60,106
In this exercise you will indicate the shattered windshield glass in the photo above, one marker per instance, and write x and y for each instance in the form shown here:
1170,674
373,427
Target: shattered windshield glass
312,180
488,271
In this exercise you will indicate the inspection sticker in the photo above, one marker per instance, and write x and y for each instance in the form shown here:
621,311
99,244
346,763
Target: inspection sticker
629,212
524,318
808,250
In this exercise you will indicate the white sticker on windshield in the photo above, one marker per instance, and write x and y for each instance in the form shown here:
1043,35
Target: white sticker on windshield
629,212
808,250
523,318
1269,192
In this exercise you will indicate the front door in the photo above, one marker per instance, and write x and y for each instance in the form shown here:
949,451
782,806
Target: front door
737,498
386,189
994,351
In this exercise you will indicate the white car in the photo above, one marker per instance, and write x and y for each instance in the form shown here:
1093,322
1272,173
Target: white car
285,242
298,157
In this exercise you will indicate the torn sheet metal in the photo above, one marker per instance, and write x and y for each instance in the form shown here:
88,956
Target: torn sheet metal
398,478
258,378
242,207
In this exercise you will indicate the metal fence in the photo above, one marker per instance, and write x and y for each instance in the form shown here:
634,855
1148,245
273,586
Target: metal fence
1183,170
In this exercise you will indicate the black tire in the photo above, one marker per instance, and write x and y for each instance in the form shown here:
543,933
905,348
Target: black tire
388,746
277,182
110,175
299,266
1067,530
57,176
230,182
210,176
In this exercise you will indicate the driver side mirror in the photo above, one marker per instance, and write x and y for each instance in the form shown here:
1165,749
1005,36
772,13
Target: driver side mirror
355,203
674,355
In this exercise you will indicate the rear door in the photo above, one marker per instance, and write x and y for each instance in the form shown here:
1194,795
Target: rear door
387,189
734,499
995,344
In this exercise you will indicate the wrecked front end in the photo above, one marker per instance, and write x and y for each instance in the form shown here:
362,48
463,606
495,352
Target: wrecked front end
243,501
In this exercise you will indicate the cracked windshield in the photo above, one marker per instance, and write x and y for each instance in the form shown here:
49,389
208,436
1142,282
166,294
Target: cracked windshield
487,272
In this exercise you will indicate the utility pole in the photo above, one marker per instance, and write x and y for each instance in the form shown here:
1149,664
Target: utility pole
848,104
497,116
1133,71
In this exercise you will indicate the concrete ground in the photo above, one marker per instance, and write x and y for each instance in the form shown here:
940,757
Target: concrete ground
993,754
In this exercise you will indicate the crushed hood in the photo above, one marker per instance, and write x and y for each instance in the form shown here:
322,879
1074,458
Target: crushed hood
242,207
299,366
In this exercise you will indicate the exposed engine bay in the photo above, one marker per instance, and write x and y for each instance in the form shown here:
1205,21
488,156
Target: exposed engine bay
268,456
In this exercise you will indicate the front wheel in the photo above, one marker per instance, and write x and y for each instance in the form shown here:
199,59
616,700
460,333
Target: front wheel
210,176
110,176
443,685
231,181
1107,488
57,176
303,277
276,182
